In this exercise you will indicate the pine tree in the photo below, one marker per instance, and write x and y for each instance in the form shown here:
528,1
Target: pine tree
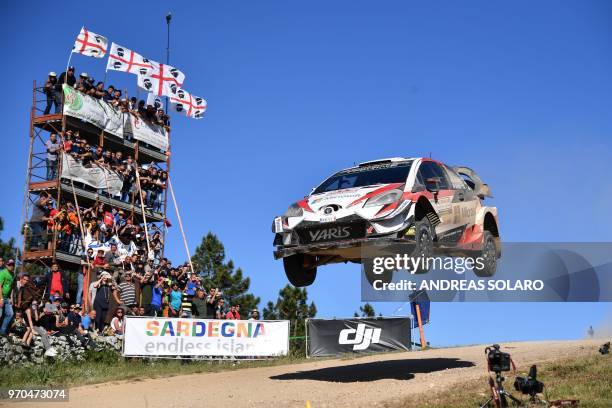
367,310
209,263
292,304
7,249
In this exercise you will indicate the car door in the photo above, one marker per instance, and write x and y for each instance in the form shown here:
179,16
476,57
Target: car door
465,202
442,201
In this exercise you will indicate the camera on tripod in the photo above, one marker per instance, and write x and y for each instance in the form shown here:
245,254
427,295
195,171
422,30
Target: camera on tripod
497,360
530,385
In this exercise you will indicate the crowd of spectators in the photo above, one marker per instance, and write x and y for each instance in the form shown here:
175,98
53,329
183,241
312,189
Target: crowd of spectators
152,179
45,306
88,85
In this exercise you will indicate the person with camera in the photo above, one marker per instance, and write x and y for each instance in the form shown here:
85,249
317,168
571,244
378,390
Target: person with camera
105,288
54,96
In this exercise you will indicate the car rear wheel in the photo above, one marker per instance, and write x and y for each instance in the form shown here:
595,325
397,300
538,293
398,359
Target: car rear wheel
299,269
487,267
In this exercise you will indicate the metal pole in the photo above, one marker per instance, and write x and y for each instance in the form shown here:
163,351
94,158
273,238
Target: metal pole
168,18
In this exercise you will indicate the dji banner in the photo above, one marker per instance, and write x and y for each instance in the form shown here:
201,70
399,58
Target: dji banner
367,335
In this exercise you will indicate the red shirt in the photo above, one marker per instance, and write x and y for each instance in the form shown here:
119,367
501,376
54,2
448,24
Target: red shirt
108,219
99,260
56,283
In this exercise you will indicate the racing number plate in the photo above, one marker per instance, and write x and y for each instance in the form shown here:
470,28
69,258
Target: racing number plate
328,218
330,233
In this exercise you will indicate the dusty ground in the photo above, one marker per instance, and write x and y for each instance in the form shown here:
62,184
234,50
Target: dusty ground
368,381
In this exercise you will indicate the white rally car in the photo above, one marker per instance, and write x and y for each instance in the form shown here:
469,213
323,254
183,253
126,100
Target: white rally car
417,200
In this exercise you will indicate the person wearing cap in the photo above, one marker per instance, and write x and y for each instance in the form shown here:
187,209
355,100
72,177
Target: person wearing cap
67,78
82,85
7,278
54,97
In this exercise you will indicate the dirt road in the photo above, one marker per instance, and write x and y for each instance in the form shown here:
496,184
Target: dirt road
367,381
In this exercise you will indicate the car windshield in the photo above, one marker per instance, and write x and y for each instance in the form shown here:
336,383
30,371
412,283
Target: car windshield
369,175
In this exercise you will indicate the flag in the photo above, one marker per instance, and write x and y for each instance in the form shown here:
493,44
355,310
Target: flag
90,44
125,60
162,80
190,105
154,100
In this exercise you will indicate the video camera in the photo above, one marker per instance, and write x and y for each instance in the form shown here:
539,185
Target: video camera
530,385
497,360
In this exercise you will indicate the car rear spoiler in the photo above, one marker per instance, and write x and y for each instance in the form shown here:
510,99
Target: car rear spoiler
481,189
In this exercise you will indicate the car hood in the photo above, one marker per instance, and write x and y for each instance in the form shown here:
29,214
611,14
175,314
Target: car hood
348,197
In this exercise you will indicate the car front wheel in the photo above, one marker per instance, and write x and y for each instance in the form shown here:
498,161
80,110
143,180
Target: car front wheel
299,269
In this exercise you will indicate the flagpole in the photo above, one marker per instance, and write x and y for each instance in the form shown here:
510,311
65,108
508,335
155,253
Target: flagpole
168,18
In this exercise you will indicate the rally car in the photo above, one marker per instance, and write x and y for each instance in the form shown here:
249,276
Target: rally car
414,200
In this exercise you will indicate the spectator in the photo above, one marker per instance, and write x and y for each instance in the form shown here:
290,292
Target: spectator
127,291
117,322
99,91
66,78
237,311
46,326
254,315
105,288
109,95
211,303
83,85
200,304
231,315
88,322
54,95
220,309
58,282
53,147
6,294
38,222
175,300
186,305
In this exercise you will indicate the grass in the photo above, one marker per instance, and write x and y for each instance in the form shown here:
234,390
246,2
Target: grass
108,366
587,378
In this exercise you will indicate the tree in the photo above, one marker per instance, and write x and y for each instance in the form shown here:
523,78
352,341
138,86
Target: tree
209,263
7,249
367,310
292,304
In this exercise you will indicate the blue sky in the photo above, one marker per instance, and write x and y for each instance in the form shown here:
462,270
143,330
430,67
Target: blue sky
519,91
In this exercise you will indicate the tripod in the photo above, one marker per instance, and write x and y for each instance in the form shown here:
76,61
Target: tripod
499,396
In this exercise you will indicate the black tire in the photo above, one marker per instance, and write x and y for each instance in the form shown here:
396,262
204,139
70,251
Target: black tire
489,256
297,270
423,239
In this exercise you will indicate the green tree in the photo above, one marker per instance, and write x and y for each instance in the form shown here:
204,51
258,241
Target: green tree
367,310
210,264
7,248
292,304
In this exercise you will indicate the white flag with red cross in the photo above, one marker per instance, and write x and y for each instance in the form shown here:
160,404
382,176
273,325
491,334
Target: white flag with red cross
155,101
90,44
162,80
126,60
190,105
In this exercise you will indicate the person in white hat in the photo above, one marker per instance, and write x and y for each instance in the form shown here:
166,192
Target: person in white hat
53,95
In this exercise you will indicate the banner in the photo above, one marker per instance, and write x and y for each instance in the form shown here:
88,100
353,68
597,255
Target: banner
150,133
95,176
202,337
367,335
92,110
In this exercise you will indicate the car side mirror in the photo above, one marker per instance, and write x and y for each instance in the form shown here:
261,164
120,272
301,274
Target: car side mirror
431,184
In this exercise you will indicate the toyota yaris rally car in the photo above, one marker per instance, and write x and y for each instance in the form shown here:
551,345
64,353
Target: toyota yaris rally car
437,208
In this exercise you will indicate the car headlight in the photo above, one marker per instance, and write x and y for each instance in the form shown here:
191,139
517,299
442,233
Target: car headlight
294,211
388,197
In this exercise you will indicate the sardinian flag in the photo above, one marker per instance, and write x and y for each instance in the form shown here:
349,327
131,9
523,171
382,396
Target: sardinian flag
155,101
126,60
190,105
163,80
90,44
